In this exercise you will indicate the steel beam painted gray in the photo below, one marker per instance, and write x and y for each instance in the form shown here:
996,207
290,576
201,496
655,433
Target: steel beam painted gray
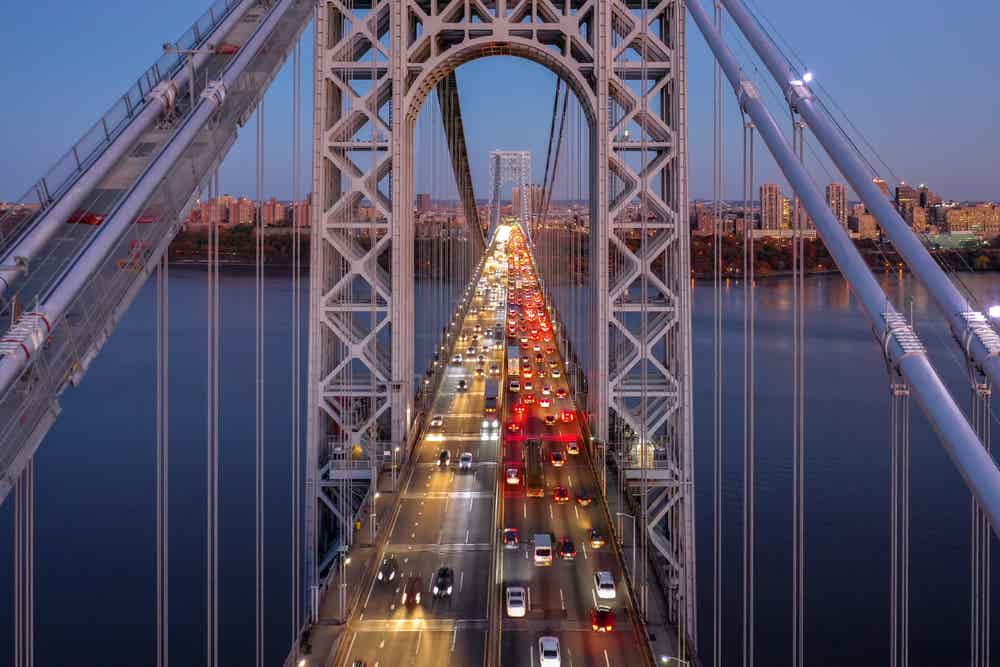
967,325
959,440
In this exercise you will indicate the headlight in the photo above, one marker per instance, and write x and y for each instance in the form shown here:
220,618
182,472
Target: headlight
486,423
435,590
392,576
417,599
380,576
449,590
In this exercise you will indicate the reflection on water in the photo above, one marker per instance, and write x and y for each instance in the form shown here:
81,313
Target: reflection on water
95,530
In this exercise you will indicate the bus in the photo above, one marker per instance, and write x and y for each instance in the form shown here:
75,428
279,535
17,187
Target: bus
491,417
534,472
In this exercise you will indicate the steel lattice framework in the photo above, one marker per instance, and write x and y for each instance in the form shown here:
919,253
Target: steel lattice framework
376,62
510,167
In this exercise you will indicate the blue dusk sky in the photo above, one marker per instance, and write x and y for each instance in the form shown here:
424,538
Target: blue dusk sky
917,78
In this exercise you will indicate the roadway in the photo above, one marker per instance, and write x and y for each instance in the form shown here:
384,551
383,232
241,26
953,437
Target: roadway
446,518
560,596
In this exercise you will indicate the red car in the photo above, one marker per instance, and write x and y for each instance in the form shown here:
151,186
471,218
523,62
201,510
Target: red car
514,427
519,409
560,494
561,393
545,401
557,458
528,398
602,619
567,416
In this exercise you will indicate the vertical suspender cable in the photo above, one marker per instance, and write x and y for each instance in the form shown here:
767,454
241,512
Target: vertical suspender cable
212,427
162,462
979,629
749,399
259,395
645,446
798,392
296,440
717,184
24,567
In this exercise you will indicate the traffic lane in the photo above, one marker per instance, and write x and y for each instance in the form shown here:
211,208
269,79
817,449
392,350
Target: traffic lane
392,648
482,447
580,647
466,601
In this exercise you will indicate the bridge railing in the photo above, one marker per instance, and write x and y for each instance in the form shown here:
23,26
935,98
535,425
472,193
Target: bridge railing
89,147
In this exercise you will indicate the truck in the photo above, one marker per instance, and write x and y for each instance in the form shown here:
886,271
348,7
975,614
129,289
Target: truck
513,361
534,472
491,416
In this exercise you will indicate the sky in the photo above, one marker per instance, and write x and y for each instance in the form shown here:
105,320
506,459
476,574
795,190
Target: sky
918,79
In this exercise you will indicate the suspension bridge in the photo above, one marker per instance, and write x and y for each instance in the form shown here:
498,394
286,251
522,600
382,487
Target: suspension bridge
500,469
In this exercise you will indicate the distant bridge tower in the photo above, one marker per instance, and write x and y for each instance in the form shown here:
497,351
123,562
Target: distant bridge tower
510,167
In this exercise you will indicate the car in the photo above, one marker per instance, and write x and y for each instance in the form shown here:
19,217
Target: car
602,619
463,385
567,550
546,390
573,447
480,372
553,364
528,385
557,458
528,398
539,358
604,585
477,328
596,539
471,350
388,569
494,369
548,652
550,420
481,359
513,427
519,408
510,538
536,348
516,605
561,393
567,416
545,401
411,591
359,663
583,499
513,476
556,373
437,421
444,458
456,358
551,351
560,494
465,461
514,385
540,374
443,582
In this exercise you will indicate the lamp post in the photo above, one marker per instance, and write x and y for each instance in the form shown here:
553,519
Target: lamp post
345,560
621,537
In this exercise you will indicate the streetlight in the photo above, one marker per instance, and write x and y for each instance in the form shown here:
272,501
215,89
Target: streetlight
621,537
666,659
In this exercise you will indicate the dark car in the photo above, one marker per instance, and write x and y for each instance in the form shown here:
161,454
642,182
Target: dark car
444,458
567,550
443,582
411,591
583,498
387,571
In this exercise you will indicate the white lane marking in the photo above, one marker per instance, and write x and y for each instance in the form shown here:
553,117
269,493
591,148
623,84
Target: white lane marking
532,662
381,644
551,515
576,510
362,617
525,510
454,636
467,535
562,600
607,660
419,635
570,482
351,645
569,654
593,596
584,549
461,580
529,598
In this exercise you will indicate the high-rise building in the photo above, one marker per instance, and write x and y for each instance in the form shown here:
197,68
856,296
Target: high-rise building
770,206
241,211
534,199
786,213
928,198
906,196
423,202
836,199
302,212
273,212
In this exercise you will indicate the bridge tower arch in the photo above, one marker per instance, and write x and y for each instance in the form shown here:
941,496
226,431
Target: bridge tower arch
363,151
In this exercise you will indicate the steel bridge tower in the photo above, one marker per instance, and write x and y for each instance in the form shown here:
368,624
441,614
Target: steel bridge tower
376,62
510,167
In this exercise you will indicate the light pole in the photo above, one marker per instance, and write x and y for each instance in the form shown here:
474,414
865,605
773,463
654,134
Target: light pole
345,560
621,537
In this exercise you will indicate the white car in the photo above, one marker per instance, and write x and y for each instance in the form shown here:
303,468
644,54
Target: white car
515,385
556,373
604,585
437,421
548,652
516,607
513,476
457,359
465,461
